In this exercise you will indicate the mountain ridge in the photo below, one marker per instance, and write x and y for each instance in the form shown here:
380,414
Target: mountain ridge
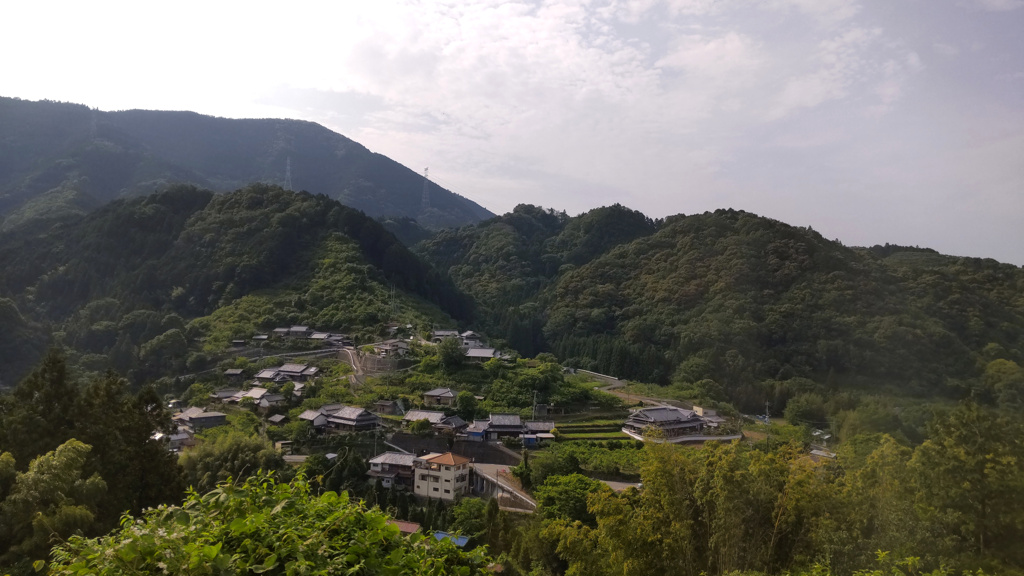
57,146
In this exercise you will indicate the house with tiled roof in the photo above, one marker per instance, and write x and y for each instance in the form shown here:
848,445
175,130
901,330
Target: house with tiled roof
197,419
439,397
668,421
443,476
393,469
314,417
352,419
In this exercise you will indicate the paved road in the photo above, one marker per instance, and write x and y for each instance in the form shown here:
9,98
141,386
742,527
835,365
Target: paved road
621,486
494,473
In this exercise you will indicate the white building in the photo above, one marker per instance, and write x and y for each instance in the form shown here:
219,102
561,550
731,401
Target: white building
442,476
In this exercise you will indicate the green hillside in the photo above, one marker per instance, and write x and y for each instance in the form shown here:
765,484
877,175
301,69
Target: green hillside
127,280
57,158
737,301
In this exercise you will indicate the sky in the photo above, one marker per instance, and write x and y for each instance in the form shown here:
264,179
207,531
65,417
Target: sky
870,121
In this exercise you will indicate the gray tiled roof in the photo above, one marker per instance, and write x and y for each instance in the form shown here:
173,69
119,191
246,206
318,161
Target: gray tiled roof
440,392
505,420
394,458
432,416
664,414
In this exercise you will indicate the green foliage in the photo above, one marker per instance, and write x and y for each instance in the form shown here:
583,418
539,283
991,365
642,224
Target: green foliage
421,427
230,455
301,257
52,499
728,305
48,409
565,497
595,458
263,526
450,354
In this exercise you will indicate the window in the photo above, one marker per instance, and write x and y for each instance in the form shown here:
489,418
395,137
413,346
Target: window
447,468
447,491
447,480
435,488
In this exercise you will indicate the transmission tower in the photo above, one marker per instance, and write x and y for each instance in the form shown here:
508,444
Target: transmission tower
288,174
426,189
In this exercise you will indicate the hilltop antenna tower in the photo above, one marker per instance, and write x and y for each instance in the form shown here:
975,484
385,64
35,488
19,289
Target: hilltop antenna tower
426,189
288,174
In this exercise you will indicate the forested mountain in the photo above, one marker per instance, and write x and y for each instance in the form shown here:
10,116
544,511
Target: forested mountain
735,301
124,282
60,160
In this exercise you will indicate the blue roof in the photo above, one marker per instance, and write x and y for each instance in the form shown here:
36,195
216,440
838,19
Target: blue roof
459,541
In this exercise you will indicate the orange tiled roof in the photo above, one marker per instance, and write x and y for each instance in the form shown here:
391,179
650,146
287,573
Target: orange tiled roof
449,459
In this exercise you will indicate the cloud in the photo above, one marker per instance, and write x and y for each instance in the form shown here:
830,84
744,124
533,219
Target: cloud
840,63
945,49
993,5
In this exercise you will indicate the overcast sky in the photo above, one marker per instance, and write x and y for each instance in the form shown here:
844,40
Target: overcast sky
871,121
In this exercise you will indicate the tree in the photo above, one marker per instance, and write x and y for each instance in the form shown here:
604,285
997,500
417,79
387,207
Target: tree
264,526
465,405
228,455
53,498
806,409
422,427
970,482
566,497
469,516
450,354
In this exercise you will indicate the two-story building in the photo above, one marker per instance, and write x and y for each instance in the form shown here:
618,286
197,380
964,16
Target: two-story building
444,476
393,469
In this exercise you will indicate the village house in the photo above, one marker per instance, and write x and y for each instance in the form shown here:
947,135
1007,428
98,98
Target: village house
197,419
480,354
438,335
271,400
431,416
224,394
451,425
299,372
314,417
288,373
444,476
471,339
710,417
393,347
352,419
388,407
175,441
498,426
669,421
393,469
440,397
233,375
277,419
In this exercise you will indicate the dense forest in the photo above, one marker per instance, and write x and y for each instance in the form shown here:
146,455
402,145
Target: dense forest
58,161
133,283
734,302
